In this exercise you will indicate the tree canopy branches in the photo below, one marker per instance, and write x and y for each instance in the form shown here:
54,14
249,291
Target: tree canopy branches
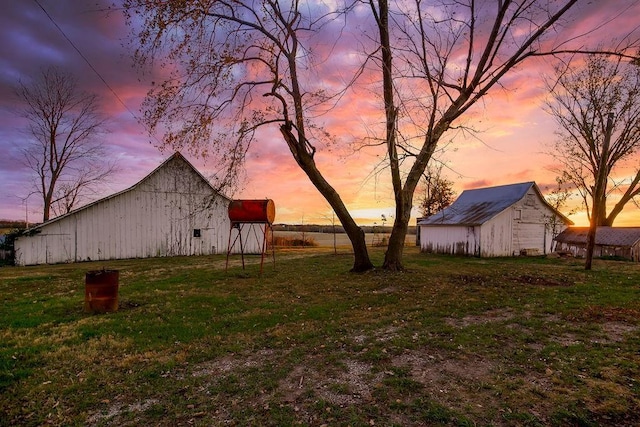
63,154
584,95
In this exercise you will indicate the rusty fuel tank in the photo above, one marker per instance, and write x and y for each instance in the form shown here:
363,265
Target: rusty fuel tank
101,291
263,211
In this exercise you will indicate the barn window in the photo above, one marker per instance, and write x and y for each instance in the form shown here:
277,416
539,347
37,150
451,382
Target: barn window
517,214
196,232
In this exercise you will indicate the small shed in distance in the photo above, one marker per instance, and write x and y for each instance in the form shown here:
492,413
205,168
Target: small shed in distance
505,220
622,242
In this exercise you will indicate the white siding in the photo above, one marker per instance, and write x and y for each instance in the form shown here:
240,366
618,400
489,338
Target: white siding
496,235
157,217
460,240
532,233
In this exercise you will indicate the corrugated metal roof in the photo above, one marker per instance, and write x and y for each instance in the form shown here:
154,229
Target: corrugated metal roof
605,236
175,156
475,207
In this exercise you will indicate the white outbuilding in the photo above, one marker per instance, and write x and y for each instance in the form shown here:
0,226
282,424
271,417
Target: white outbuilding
620,242
172,211
505,220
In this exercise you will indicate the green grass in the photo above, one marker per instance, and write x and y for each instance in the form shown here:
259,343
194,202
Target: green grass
451,341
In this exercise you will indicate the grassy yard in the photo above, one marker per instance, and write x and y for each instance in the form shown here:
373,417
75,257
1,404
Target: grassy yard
451,341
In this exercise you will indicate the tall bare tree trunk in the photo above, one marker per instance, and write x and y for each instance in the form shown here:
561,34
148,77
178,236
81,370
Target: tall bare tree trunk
602,209
393,255
599,193
395,250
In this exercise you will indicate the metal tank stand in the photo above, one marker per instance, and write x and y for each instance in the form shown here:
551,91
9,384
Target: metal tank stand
252,227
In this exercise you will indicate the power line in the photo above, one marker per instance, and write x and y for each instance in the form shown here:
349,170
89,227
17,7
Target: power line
87,61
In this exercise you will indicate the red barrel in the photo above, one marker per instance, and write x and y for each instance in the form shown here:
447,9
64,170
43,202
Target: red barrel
252,211
101,291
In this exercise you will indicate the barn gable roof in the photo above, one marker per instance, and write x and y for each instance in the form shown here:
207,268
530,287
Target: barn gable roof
477,206
605,236
177,156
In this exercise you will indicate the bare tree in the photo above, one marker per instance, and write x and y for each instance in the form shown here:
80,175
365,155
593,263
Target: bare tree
437,191
236,66
63,153
438,59
558,197
583,97
332,220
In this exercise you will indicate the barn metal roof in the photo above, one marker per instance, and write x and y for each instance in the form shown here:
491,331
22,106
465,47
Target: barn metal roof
605,236
475,207
177,155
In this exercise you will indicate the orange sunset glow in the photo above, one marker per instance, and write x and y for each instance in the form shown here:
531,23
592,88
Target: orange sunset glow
511,141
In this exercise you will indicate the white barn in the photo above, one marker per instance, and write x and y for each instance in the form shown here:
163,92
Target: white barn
172,211
496,221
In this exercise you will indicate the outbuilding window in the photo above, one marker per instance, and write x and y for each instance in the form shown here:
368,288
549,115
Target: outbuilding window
196,232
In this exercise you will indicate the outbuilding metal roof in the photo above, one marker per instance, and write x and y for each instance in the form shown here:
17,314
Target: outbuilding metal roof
605,236
475,207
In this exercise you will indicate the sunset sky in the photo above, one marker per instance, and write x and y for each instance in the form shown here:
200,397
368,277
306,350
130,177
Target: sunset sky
516,131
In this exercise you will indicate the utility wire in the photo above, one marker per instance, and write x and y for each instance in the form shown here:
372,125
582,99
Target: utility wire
87,61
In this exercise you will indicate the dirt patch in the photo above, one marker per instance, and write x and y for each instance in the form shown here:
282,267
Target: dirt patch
381,335
360,338
566,340
613,332
292,387
386,290
453,382
499,315
542,281
610,332
232,362
350,385
117,409
609,314
387,334
439,372
467,279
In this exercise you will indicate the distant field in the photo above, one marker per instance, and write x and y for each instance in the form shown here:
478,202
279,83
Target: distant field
326,239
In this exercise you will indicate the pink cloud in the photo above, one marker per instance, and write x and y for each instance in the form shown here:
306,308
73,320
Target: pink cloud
477,184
